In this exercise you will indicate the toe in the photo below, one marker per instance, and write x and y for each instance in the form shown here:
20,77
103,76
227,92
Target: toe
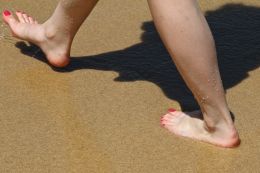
162,124
20,16
26,18
9,19
171,110
31,20
167,117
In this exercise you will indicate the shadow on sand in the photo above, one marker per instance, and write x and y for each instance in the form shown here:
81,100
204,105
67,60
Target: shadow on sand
236,29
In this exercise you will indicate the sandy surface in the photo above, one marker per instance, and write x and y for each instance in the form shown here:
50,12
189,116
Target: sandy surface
102,113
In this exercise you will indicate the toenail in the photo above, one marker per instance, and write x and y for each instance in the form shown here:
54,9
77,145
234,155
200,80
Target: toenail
7,13
171,110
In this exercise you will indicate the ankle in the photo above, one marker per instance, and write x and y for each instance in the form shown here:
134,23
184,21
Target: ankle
222,126
50,30
217,113
217,118
58,30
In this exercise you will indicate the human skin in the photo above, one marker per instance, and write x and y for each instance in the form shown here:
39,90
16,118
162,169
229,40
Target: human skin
54,36
189,41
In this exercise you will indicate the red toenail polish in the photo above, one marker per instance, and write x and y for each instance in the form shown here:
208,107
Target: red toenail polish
171,110
7,13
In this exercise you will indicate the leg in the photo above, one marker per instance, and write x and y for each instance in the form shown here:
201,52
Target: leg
54,36
189,41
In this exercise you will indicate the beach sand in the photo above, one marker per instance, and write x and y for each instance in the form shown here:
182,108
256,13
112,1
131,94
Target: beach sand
102,113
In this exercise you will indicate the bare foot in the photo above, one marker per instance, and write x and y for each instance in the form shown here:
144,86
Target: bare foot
192,126
56,45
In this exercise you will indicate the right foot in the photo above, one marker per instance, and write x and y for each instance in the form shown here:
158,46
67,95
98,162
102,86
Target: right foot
192,126
55,45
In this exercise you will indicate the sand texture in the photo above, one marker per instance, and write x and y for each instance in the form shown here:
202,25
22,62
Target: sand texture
102,113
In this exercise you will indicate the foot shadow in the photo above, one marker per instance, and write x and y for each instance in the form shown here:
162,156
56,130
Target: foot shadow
236,29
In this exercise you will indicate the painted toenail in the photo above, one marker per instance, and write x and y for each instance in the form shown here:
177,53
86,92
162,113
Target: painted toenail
171,110
162,124
7,13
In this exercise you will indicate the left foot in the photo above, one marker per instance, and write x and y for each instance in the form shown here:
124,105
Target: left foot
192,126
53,42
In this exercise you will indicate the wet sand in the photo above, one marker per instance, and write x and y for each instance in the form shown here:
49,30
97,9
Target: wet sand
101,114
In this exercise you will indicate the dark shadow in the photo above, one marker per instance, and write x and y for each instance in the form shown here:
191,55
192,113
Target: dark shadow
236,29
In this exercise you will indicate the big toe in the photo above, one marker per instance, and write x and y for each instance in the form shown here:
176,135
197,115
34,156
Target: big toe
9,19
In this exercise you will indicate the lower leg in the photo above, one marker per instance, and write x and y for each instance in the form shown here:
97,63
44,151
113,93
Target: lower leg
55,36
189,41
69,15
